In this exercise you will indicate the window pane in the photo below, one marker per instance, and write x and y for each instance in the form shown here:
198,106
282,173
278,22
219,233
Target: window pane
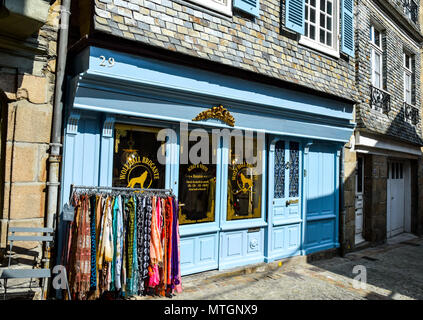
360,175
322,20
329,23
377,38
377,64
322,5
135,163
313,3
377,81
312,32
313,15
197,184
322,36
407,85
279,186
306,29
329,9
329,39
394,171
294,168
244,184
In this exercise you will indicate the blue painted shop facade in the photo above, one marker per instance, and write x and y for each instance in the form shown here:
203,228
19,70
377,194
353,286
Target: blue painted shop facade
232,213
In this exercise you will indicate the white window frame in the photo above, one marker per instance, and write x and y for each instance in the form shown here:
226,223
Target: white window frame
376,51
408,73
216,6
316,44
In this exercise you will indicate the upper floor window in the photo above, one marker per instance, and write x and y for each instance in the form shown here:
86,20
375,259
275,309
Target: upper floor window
376,57
411,112
408,73
222,6
324,25
321,25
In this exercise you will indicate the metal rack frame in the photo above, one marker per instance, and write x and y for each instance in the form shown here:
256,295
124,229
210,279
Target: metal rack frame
129,190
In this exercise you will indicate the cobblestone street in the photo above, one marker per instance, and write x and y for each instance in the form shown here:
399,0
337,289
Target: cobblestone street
394,271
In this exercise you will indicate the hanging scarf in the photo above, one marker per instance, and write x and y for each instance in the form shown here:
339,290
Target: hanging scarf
169,242
119,244
93,276
82,262
130,240
114,228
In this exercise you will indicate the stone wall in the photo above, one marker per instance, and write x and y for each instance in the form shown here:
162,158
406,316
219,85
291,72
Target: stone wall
261,44
417,218
375,186
347,218
27,78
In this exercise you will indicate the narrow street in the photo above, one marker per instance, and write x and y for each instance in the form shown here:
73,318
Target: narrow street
394,271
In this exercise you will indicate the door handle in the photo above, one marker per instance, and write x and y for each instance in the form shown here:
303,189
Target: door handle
288,202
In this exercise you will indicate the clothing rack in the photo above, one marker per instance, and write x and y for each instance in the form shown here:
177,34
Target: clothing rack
129,190
118,233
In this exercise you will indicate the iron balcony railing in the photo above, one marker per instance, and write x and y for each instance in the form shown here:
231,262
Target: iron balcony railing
380,99
410,9
411,113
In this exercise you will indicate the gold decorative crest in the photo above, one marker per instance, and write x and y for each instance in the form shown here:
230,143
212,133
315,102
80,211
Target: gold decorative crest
219,113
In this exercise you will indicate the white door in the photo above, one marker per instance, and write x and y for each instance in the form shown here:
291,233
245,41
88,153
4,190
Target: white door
359,187
395,195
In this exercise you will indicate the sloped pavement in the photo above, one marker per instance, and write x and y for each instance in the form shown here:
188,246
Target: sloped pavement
392,271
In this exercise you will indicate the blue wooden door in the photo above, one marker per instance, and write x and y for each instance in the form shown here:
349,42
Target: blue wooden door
233,233
197,186
243,194
284,209
322,198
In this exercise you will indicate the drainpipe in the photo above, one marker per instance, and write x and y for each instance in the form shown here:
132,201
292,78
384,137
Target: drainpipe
341,202
55,156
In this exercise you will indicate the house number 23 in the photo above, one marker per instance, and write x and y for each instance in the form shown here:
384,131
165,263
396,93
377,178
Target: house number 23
107,63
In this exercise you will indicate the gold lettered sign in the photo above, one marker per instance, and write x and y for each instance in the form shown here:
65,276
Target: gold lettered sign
244,198
139,172
219,113
197,180
198,195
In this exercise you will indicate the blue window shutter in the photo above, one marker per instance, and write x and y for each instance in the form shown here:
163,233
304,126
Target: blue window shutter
294,15
347,18
249,6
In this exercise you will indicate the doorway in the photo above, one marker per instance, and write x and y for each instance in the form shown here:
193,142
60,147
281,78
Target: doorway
359,201
395,198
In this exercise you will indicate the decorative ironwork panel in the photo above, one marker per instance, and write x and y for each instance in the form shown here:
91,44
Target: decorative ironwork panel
380,99
411,113
279,190
294,154
410,9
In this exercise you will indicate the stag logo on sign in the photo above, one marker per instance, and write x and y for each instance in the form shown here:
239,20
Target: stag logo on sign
139,172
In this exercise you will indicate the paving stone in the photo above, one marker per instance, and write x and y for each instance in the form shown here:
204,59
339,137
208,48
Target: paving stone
396,274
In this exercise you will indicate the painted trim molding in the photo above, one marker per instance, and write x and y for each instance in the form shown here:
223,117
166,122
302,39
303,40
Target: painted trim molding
368,143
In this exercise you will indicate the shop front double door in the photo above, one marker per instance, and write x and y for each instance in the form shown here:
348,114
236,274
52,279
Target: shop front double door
222,204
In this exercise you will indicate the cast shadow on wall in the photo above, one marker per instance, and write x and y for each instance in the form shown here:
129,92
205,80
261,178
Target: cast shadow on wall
396,270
